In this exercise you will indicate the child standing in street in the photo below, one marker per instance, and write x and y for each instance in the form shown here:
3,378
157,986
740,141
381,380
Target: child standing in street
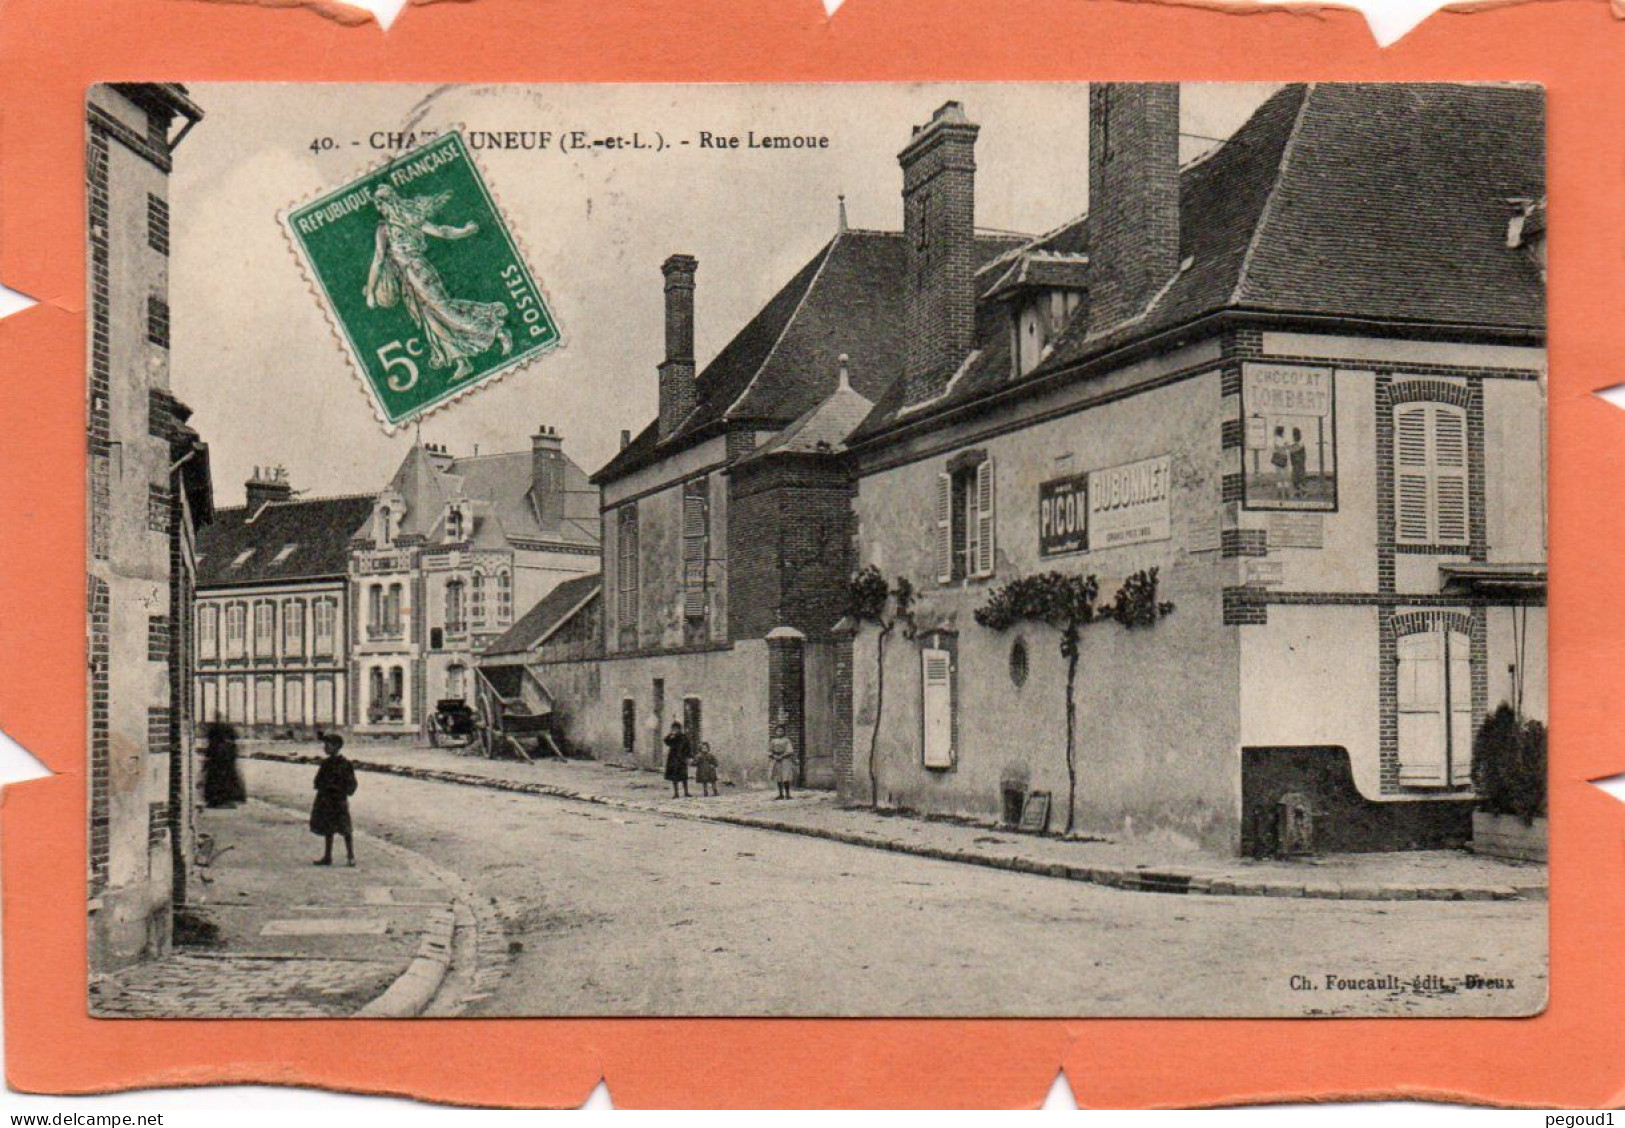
782,753
705,771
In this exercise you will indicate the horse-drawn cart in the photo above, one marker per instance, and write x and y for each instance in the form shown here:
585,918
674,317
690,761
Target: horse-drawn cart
515,714
453,724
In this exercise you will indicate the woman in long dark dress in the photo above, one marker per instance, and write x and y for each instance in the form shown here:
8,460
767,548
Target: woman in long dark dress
222,781
678,752
330,813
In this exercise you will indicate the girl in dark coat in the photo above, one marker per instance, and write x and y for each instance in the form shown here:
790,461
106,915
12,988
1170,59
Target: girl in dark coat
678,753
330,813
222,781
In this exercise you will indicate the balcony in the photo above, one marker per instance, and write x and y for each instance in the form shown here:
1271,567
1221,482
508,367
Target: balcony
386,633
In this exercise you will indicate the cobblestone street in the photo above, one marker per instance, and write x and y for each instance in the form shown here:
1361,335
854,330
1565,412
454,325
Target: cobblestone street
192,985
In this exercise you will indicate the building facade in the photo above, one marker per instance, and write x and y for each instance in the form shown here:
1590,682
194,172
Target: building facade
273,612
149,490
1303,379
448,551
727,524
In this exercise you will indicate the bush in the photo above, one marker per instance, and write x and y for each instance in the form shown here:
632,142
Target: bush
1509,765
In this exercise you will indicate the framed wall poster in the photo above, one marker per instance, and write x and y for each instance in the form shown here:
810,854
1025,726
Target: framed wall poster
349,525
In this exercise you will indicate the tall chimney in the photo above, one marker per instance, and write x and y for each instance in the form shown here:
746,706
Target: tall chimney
1133,197
677,388
267,485
939,230
547,480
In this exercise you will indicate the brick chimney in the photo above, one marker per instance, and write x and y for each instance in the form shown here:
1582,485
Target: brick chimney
269,483
1133,196
547,477
677,377
939,234
439,457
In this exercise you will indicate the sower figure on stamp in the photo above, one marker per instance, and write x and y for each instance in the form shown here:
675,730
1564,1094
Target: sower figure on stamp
782,752
678,752
456,328
330,813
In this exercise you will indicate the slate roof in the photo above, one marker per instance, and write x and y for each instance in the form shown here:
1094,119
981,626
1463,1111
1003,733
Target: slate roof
499,486
319,529
847,299
1377,201
554,609
822,429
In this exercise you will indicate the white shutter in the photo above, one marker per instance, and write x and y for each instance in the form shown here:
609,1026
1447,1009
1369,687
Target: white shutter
1411,475
945,528
1461,710
1450,474
1421,710
936,708
982,559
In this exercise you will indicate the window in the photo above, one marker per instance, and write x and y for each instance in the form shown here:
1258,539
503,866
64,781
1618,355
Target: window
324,613
504,595
478,597
264,701
293,701
626,571
456,675
264,629
937,707
1435,709
236,701
392,610
375,694
375,608
1038,321
965,519
157,509
454,606
696,547
324,701
158,321
629,726
454,523
397,693
209,701
1430,474
236,629
208,632
157,224
384,533
293,628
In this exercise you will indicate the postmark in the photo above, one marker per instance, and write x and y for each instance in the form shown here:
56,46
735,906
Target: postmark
423,280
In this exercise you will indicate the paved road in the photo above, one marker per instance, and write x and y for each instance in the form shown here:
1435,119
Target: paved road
624,913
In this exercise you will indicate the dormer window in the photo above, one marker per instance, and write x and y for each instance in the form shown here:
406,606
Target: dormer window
385,534
456,523
1039,318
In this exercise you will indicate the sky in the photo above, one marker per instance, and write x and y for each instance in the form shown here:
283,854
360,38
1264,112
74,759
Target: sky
256,359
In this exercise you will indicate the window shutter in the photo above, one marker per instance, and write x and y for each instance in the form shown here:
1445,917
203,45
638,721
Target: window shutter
937,708
945,528
1421,710
694,553
1461,710
1411,475
1450,474
982,564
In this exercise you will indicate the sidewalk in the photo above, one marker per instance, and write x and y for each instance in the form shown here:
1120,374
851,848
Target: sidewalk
1438,875
291,940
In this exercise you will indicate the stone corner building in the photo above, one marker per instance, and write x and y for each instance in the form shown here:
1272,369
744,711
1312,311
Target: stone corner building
149,490
1303,377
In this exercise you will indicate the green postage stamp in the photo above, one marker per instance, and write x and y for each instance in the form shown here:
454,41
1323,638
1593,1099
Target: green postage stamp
422,279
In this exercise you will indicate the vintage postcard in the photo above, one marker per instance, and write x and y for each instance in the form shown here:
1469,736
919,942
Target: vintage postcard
988,550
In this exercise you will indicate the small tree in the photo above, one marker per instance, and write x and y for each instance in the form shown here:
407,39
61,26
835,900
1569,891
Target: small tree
1067,602
1509,765
870,599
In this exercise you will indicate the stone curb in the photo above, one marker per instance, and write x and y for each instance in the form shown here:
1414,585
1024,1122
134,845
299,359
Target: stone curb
1138,880
409,995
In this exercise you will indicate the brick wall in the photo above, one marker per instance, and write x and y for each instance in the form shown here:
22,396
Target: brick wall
939,220
789,546
1133,196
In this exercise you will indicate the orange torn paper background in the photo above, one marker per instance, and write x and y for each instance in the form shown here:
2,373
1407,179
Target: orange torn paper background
52,50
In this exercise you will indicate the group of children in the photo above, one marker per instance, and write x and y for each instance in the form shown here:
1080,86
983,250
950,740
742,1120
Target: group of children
680,752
